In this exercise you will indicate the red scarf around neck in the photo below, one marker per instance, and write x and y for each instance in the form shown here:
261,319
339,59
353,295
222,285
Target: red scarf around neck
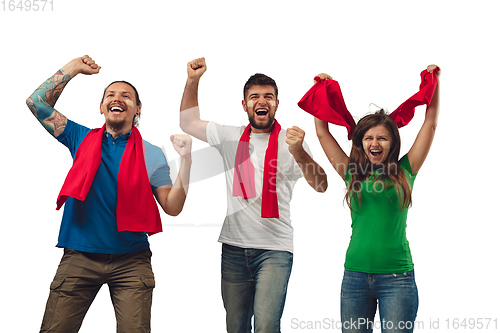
136,208
244,173
324,101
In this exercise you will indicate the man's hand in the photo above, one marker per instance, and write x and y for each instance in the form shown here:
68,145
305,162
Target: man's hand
172,198
313,173
196,68
182,144
294,139
82,65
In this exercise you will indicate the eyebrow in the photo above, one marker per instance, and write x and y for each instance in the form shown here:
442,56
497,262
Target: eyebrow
266,94
122,92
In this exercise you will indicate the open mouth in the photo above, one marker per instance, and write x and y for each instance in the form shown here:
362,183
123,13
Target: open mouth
376,152
261,112
116,109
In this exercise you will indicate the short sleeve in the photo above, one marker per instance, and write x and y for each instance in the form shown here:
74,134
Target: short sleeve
157,166
223,137
404,163
72,136
213,138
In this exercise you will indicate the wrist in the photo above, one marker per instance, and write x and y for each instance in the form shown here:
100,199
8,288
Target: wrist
186,158
70,69
299,154
193,81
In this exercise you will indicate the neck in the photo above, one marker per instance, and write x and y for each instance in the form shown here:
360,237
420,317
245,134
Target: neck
116,132
262,130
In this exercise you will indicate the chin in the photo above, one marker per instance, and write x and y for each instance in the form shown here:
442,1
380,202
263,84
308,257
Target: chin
265,125
116,125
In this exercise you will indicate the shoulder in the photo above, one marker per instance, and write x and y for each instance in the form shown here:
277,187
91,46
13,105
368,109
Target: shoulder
73,135
404,163
153,153
73,129
213,126
151,147
217,133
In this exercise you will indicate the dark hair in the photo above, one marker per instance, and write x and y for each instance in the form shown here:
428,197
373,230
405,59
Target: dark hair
137,99
358,160
259,80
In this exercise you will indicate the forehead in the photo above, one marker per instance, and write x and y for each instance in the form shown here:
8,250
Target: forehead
120,87
378,130
261,90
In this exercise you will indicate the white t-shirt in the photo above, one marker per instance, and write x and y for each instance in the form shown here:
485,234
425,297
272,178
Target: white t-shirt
243,226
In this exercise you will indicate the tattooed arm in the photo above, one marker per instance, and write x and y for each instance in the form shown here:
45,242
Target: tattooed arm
42,101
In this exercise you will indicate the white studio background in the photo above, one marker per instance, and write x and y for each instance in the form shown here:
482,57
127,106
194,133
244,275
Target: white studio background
375,49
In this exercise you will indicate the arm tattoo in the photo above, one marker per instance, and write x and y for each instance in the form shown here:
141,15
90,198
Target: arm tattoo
56,123
54,87
41,103
31,106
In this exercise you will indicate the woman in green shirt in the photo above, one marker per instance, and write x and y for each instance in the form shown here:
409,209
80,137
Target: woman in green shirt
378,265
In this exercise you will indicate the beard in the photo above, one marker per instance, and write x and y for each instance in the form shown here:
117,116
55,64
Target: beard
116,125
261,125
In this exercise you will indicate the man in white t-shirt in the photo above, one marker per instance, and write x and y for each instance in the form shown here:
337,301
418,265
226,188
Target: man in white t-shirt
257,235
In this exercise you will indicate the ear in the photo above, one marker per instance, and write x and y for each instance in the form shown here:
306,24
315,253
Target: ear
277,103
101,108
244,105
138,110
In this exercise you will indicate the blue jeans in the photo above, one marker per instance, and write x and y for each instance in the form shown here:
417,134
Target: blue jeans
397,298
254,283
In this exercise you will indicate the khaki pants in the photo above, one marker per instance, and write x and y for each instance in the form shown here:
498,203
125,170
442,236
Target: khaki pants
79,277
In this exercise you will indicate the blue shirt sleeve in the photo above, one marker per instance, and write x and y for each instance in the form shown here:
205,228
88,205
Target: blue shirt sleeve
156,163
72,136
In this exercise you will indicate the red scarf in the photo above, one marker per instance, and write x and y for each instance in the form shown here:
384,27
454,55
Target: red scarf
244,183
136,209
324,101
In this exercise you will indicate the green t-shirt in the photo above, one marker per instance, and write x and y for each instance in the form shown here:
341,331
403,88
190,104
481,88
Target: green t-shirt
378,241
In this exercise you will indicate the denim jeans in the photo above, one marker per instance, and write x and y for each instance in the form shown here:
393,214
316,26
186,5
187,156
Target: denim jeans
397,298
254,283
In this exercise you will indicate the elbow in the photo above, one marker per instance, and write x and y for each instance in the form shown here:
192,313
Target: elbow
31,106
322,187
182,125
173,212
186,126
432,125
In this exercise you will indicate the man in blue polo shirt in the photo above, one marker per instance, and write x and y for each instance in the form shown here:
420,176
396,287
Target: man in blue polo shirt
110,208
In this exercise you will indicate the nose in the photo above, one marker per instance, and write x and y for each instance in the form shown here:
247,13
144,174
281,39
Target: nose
262,102
117,98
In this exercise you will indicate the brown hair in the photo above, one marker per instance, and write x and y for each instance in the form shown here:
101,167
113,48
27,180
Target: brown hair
259,80
359,164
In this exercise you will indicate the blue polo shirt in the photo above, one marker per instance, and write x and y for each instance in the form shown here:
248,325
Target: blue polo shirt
90,225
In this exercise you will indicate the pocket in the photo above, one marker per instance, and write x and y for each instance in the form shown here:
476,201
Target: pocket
404,279
50,309
148,282
56,284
